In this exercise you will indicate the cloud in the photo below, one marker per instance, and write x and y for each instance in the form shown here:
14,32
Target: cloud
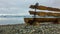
22,6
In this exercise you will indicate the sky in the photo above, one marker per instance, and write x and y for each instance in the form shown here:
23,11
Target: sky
22,6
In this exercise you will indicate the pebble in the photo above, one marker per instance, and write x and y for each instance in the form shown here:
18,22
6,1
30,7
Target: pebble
42,29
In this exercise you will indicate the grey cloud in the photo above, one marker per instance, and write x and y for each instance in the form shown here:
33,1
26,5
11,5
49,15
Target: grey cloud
23,5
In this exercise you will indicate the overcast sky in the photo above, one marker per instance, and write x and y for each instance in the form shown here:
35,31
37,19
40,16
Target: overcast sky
22,6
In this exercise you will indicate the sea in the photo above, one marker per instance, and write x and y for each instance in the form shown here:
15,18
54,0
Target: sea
9,19
14,19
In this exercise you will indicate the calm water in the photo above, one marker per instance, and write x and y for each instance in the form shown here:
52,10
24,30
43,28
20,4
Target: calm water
11,20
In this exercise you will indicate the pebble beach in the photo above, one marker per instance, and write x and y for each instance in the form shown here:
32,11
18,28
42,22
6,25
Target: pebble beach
30,29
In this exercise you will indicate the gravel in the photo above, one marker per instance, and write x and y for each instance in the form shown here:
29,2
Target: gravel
29,29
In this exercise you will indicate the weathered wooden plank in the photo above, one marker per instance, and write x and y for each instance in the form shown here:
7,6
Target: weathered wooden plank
44,13
45,8
42,19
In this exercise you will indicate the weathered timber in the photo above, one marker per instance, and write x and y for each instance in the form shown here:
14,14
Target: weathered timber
45,8
44,13
39,20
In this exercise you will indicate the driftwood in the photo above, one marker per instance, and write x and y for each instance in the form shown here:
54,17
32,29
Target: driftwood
39,20
35,20
44,8
44,13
